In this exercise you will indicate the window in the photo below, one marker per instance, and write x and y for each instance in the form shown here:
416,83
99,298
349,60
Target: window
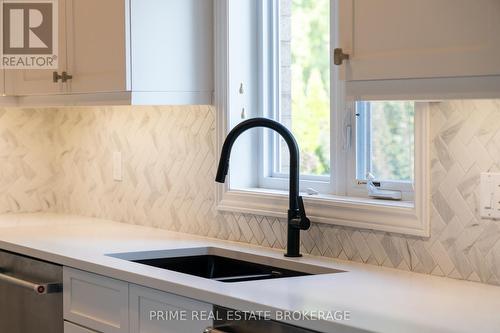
385,145
384,130
287,69
303,82
385,140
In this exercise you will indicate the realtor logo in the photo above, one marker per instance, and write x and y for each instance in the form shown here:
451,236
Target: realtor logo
29,34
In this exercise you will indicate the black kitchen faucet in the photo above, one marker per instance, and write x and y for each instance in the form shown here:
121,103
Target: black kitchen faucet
297,219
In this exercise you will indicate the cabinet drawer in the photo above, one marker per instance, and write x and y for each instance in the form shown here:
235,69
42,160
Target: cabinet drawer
72,328
145,300
95,301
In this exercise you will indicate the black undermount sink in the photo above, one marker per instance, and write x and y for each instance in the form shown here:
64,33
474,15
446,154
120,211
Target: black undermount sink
223,265
220,268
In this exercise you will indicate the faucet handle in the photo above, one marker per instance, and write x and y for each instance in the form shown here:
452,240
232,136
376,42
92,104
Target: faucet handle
305,223
302,209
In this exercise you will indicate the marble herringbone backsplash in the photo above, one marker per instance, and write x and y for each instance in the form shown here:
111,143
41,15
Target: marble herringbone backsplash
61,160
27,168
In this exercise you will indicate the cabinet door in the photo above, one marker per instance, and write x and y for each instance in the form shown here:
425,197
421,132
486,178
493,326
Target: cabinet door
172,49
40,81
146,302
396,39
95,301
72,328
96,45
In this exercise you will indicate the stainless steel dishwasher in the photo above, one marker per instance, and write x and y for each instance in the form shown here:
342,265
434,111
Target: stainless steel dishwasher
31,298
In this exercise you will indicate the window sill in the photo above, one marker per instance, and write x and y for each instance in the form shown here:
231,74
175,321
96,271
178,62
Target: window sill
390,216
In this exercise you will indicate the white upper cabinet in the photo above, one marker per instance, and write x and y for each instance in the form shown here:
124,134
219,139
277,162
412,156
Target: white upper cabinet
40,81
419,39
96,45
126,52
172,49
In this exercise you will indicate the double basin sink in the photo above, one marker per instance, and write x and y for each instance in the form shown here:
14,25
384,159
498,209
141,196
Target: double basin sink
223,265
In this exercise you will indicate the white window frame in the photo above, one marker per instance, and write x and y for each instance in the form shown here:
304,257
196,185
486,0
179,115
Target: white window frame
401,217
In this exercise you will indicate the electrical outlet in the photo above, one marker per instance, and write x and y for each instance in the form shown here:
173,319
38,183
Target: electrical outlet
490,195
117,166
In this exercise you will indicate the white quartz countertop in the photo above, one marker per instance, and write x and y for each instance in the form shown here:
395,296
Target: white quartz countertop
378,299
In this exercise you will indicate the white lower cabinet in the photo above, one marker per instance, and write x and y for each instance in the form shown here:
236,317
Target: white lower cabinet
72,328
153,311
95,303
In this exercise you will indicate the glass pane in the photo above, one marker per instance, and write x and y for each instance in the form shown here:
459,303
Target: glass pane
305,83
385,140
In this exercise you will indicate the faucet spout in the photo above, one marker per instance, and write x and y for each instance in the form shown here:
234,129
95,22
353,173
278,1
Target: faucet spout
297,219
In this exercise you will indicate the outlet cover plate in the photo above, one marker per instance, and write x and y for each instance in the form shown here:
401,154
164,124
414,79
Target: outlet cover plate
490,195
